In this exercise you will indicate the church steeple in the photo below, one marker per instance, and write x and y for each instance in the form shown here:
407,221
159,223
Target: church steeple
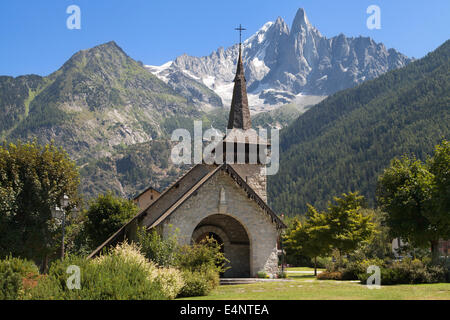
239,113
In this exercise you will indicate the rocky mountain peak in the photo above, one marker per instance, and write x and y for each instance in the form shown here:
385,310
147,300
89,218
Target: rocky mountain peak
283,62
300,20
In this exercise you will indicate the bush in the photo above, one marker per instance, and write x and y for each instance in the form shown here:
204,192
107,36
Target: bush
262,274
200,264
408,271
171,280
334,275
352,269
163,252
16,277
10,284
281,275
122,274
199,283
201,256
21,266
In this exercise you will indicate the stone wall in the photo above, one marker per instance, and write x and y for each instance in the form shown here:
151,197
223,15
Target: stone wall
146,198
261,232
255,177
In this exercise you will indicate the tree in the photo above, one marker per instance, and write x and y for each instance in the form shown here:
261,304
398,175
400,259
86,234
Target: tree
107,214
439,166
347,223
309,238
416,197
343,226
33,180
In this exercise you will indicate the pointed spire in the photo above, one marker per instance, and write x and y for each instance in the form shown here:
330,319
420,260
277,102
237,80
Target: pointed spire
239,113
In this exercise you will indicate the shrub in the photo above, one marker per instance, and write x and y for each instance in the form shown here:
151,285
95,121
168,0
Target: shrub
201,256
21,266
10,284
352,269
408,271
200,264
198,283
281,275
123,273
262,274
16,277
171,281
334,275
163,252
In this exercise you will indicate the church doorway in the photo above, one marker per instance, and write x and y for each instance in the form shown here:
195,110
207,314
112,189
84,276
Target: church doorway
233,237
212,235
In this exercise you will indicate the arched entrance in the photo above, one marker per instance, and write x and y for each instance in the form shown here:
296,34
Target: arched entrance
234,239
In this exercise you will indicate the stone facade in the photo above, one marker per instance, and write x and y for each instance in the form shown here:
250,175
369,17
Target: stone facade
255,176
248,234
146,198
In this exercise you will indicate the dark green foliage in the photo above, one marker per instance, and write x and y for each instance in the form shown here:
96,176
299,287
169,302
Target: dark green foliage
23,267
199,283
13,271
262,275
10,284
163,252
414,195
107,214
343,226
202,256
408,272
200,263
344,142
33,180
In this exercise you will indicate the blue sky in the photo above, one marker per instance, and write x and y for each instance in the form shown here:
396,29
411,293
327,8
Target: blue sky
34,37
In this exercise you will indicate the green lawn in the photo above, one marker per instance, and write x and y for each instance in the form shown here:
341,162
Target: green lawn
303,287
303,269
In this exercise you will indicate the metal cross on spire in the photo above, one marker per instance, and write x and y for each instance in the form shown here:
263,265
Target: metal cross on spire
240,29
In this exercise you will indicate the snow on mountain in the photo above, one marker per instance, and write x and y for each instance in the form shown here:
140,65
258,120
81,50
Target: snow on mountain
281,63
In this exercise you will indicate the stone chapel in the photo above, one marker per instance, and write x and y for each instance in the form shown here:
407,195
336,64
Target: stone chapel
226,201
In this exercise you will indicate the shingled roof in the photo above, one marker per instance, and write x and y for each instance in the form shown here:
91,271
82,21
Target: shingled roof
239,112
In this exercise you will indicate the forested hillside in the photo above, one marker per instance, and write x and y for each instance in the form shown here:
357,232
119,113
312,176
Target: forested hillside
343,143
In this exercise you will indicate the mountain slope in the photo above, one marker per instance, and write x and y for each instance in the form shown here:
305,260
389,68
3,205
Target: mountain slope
98,99
344,142
281,63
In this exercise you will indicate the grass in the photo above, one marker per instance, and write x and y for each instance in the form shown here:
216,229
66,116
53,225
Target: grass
306,287
303,269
